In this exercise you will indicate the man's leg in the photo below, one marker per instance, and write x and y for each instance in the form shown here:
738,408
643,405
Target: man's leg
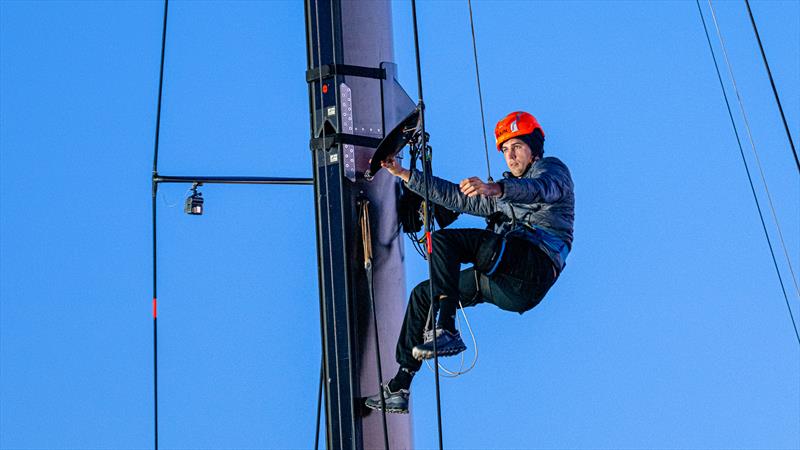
453,247
396,391
413,324
417,316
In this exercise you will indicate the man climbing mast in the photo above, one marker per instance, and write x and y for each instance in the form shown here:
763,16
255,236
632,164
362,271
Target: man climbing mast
516,259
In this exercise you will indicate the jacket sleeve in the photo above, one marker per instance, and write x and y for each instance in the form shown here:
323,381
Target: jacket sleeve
447,194
547,186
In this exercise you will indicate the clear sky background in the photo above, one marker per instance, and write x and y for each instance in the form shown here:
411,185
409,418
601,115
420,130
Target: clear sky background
668,328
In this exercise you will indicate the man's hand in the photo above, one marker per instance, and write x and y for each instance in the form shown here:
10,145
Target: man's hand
474,186
393,166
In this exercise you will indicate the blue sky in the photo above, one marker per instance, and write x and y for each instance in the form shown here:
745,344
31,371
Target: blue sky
668,328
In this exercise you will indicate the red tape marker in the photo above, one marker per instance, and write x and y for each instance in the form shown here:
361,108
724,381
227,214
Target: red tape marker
154,307
428,237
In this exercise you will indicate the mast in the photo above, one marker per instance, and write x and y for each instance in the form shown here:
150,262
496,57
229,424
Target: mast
353,98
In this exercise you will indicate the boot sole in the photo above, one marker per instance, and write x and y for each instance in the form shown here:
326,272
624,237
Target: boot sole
425,354
388,410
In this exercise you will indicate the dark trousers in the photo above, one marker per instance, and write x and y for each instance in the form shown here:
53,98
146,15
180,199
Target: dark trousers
520,281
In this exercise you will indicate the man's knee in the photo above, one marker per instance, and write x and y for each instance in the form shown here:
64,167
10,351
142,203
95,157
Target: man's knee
420,293
444,244
440,237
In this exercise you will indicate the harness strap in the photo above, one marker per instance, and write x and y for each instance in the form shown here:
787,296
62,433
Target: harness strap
499,258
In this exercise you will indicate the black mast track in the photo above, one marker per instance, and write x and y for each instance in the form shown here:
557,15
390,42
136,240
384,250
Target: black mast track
335,217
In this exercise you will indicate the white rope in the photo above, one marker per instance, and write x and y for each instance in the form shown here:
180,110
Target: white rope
753,146
461,370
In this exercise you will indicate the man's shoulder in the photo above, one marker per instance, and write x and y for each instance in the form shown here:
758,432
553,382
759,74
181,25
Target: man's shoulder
552,160
548,164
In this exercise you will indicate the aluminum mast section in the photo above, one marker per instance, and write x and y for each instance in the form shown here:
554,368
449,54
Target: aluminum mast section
353,99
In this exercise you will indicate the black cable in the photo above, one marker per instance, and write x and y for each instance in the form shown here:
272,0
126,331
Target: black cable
155,262
426,217
155,329
160,86
378,358
480,94
772,82
747,170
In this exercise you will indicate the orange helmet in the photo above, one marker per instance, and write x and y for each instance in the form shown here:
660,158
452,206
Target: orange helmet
518,123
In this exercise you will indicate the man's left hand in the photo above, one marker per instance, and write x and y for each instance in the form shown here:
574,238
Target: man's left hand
475,186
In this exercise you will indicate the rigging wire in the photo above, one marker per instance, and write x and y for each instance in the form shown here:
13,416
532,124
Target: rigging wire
480,94
155,189
747,170
755,152
772,82
426,168
160,86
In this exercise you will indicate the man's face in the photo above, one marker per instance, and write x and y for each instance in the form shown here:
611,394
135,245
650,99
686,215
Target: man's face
518,156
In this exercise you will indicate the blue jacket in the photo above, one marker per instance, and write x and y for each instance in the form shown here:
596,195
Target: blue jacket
538,206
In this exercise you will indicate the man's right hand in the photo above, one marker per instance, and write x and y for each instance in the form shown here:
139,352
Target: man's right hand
473,186
393,166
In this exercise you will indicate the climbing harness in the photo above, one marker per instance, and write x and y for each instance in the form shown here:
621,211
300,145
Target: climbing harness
746,167
366,236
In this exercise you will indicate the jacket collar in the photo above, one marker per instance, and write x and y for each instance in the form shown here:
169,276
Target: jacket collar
508,174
